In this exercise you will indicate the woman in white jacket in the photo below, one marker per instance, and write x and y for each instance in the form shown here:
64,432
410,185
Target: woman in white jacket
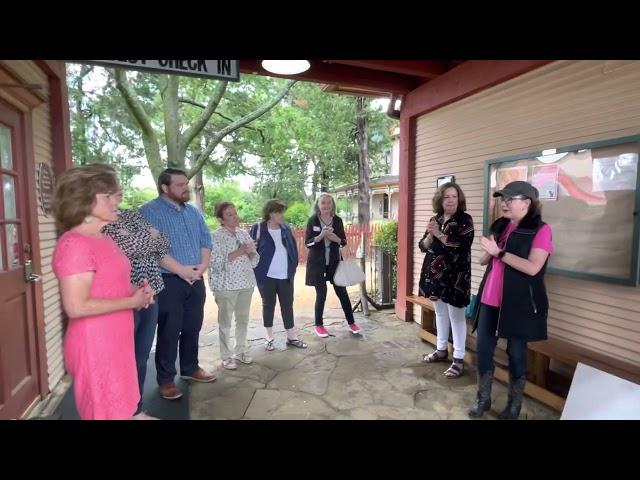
232,282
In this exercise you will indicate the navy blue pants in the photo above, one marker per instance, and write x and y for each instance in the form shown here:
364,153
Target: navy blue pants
180,316
487,341
145,322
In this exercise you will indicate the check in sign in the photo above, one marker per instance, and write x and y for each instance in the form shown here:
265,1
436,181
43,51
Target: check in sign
219,69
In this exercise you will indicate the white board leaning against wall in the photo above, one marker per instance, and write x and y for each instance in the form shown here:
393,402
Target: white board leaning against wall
597,395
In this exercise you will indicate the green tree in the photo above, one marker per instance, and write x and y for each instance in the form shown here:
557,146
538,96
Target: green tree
248,204
305,139
101,130
187,134
135,198
168,120
387,238
312,143
297,214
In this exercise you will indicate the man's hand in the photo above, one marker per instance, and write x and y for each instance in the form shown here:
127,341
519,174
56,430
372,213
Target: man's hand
198,271
187,273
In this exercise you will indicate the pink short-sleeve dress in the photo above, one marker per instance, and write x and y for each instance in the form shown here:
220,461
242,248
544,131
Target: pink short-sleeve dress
99,350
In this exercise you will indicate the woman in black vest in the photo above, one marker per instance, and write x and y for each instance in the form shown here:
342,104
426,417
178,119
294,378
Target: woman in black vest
324,238
513,299
446,273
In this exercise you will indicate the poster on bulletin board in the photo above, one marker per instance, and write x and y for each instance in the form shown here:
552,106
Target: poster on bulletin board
511,174
545,179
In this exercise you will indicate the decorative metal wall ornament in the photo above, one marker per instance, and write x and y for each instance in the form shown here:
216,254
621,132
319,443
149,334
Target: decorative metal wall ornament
45,185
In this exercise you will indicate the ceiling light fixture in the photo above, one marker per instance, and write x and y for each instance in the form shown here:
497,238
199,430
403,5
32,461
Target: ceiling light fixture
286,67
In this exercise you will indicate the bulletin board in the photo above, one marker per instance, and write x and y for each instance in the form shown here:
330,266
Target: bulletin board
590,198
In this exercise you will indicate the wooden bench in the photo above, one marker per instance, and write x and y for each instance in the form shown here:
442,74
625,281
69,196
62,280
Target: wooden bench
570,354
427,321
540,355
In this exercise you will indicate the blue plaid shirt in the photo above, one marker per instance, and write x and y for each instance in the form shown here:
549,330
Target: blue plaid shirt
183,225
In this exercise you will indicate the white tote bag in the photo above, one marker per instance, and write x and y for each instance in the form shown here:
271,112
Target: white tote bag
348,273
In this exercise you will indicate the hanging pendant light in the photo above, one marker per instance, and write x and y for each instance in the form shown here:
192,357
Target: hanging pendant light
286,67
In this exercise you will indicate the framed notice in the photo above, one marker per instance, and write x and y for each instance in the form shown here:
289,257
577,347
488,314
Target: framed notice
445,179
615,173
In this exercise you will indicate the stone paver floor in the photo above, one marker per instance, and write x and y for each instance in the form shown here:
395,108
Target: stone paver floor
376,375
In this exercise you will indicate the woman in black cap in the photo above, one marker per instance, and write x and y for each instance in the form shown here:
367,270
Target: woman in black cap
513,299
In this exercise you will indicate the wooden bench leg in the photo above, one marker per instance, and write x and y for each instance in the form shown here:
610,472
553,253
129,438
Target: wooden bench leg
427,321
540,369
531,370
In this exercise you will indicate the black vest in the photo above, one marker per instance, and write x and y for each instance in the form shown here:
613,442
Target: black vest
525,305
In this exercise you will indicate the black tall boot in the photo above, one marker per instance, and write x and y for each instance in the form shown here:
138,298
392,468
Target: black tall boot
483,397
514,403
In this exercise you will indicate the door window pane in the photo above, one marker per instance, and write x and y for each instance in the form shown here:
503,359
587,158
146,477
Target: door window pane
13,245
6,161
9,197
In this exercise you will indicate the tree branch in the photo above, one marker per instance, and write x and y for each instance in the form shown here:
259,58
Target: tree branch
196,128
149,137
85,70
391,109
191,102
238,124
107,132
201,105
135,107
170,84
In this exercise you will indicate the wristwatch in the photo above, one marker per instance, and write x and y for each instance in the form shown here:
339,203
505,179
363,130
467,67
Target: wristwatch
501,254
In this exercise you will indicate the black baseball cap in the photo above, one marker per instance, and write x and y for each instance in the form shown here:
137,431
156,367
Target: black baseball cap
516,188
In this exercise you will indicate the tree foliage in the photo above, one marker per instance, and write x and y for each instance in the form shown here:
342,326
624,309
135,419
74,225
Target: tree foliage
294,140
387,238
297,214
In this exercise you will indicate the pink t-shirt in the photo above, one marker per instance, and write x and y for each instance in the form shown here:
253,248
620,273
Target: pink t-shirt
492,293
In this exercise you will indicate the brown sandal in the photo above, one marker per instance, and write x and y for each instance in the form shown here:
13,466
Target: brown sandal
297,343
455,370
435,357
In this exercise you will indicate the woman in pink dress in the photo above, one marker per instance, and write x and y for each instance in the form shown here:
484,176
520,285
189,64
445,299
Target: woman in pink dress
97,296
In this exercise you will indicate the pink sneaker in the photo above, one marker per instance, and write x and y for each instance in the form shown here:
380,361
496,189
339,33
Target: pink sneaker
355,329
321,331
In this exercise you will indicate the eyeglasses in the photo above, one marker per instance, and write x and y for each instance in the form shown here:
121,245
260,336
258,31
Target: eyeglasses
508,200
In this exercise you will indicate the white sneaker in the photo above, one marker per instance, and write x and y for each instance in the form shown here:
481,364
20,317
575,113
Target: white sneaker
229,364
244,358
143,416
